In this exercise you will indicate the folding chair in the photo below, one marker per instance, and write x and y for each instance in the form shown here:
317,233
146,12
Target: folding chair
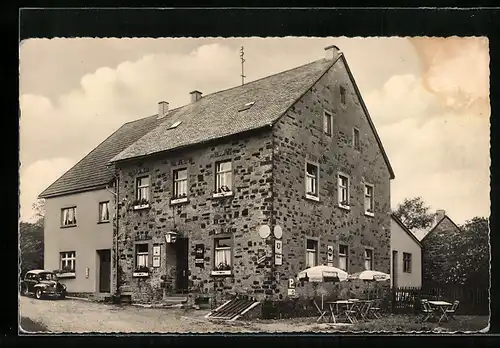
426,310
351,313
451,312
375,309
323,313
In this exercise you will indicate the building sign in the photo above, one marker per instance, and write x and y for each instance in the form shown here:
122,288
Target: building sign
261,259
156,250
291,283
329,255
291,292
199,257
278,259
156,261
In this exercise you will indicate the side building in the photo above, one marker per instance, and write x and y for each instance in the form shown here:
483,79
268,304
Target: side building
79,212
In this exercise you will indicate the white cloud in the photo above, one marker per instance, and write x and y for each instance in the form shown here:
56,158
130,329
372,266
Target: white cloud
35,178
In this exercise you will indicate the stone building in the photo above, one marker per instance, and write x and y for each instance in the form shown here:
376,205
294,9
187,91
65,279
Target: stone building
241,189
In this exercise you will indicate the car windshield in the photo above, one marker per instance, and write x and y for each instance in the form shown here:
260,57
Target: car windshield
48,276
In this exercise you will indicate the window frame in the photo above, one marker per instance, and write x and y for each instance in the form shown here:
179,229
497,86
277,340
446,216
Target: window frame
342,92
63,225
341,203
137,271
369,212
63,261
148,190
343,255
307,176
176,197
216,181
100,220
405,260
355,131
370,259
327,122
215,240
315,240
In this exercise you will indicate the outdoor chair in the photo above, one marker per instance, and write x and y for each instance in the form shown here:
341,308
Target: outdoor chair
375,309
426,310
451,312
323,313
351,314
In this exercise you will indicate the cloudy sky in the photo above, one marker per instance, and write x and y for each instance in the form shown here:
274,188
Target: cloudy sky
428,97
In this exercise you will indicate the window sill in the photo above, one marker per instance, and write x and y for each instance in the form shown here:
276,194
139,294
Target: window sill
68,226
140,274
179,201
103,222
141,206
222,194
312,198
345,207
66,275
221,273
367,213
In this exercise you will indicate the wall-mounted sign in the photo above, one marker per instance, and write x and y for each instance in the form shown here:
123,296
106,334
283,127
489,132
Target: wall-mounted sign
291,292
156,250
199,255
278,232
156,261
264,231
278,247
329,253
291,283
278,259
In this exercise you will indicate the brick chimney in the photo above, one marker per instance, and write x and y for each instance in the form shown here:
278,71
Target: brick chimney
331,52
439,215
162,109
195,96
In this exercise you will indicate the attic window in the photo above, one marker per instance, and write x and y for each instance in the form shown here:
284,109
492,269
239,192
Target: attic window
247,106
177,123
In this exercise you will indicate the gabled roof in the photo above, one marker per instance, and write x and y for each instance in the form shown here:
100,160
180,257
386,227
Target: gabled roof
92,171
433,228
368,117
227,113
403,226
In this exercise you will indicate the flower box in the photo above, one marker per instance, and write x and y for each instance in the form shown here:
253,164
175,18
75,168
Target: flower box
312,197
141,206
140,274
66,275
222,194
222,272
178,200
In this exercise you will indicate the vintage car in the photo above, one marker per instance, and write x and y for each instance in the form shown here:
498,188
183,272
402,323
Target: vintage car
42,284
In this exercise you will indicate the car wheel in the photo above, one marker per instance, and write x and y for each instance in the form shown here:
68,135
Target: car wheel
38,294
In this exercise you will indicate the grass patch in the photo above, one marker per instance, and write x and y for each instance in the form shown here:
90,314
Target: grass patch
30,326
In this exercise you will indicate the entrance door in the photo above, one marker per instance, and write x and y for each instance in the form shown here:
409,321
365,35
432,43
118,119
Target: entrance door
181,283
104,270
394,268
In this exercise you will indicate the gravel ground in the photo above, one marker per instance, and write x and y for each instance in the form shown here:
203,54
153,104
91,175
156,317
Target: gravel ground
82,316
79,316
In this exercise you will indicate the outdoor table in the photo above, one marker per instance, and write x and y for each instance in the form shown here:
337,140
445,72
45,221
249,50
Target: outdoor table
443,306
334,308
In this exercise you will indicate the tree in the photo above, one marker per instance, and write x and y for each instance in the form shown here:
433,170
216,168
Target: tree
39,211
415,214
31,246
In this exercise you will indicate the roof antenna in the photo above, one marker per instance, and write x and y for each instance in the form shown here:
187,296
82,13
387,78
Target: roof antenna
242,62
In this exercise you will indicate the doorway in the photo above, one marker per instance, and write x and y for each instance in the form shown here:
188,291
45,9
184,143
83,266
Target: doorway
394,268
104,270
182,248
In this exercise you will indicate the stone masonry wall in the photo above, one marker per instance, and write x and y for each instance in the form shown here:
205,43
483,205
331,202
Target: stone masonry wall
201,218
299,136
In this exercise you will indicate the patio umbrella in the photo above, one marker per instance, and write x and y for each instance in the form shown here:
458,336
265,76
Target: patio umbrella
323,274
369,276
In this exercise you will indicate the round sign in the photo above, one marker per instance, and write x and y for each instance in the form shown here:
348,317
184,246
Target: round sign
264,231
278,232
